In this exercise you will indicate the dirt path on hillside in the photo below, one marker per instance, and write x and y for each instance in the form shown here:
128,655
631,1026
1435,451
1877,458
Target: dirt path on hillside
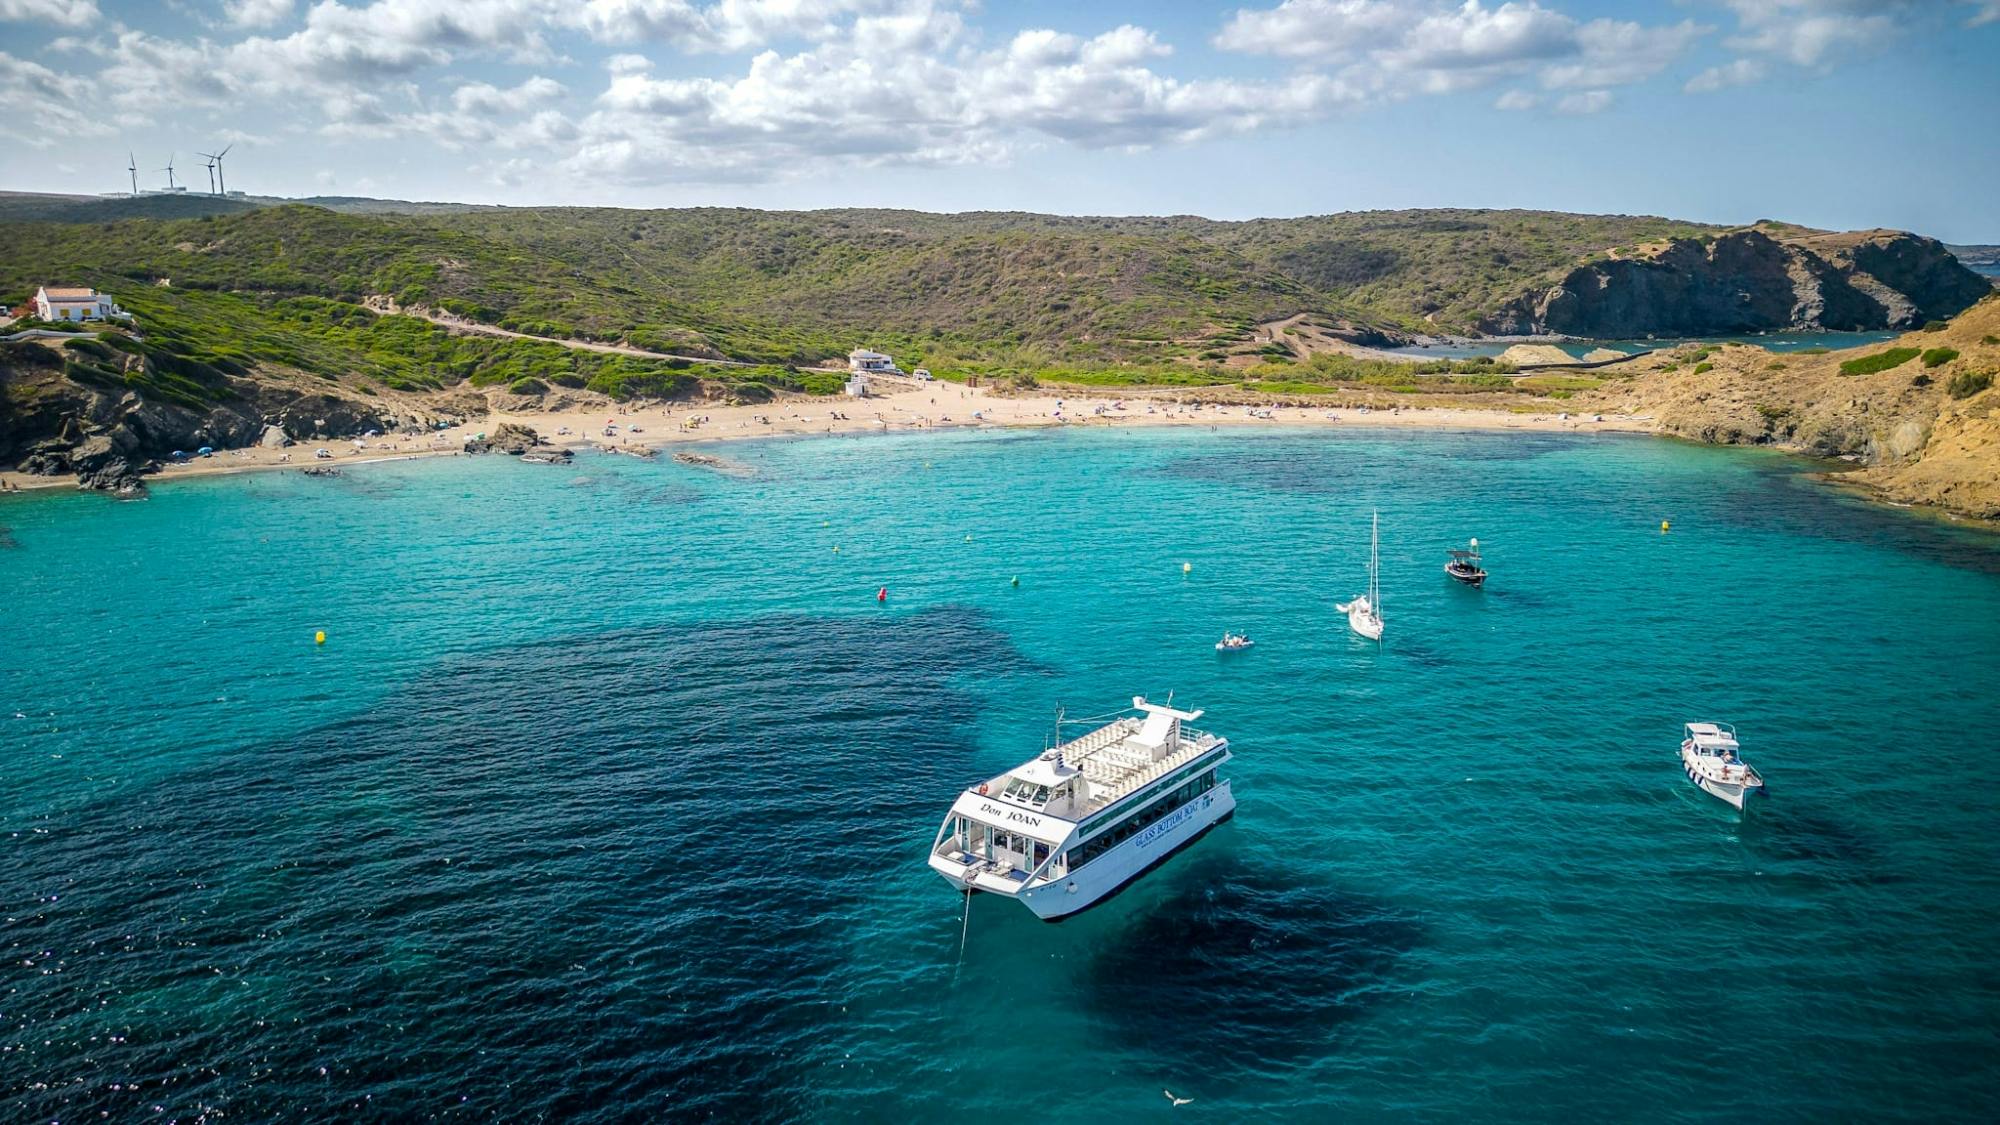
475,328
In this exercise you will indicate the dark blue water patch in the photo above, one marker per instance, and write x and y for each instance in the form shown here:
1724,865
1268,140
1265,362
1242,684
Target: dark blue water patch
1785,496
1278,470
1299,466
7,540
675,495
602,878
1511,596
1266,967
1821,844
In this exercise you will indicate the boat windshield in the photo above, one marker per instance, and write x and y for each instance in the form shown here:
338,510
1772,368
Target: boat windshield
1027,793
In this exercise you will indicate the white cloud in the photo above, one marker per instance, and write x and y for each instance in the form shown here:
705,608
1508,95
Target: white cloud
1986,11
1738,72
482,99
1516,101
1617,53
145,75
729,25
1322,30
68,13
1813,32
256,13
1584,101
1398,48
1473,37
26,83
936,101
388,38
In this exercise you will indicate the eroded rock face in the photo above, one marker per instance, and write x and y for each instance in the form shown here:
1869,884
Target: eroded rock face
1748,281
111,436
506,438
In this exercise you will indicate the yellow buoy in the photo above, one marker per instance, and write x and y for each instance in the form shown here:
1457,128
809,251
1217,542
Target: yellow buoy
1187,568
1664,525
319,638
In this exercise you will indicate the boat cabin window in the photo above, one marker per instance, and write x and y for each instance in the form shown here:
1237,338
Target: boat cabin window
1107,839
1033,795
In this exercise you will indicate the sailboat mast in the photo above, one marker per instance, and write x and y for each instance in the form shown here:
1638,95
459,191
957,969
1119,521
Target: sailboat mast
1375,565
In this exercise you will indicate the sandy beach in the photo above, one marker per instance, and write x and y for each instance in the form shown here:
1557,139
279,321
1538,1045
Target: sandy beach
903,406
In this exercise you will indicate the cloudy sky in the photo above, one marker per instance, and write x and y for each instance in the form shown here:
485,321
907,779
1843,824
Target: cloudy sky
1840,113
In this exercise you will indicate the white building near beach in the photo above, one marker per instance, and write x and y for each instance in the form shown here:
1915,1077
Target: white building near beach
59,302
857,386
861,360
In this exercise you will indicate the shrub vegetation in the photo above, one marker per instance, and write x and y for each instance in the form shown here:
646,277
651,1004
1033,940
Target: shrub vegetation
1880,361
1965,384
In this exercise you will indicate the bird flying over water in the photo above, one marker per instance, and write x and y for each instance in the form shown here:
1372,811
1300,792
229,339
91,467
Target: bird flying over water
1175,1100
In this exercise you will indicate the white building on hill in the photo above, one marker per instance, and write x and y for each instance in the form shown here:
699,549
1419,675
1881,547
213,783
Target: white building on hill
71,303
863,360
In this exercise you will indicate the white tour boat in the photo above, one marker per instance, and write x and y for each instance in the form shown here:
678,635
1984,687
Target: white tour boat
1709,757
1064,830
1364,614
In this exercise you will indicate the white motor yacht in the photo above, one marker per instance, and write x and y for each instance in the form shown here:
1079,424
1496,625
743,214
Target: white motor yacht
1065,829
1710,759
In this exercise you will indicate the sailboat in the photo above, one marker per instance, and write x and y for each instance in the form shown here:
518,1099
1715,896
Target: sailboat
1364,614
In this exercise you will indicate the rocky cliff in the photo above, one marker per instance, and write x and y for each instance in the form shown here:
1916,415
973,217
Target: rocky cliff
1925,429
108,414
1764,278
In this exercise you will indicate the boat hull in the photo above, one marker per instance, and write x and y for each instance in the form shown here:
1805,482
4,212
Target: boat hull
1476,578
1732,794
1361,618
1105,875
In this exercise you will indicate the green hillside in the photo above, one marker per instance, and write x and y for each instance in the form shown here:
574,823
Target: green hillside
978,290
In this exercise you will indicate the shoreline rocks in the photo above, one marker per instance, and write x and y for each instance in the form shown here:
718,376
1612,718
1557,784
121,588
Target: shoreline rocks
717,464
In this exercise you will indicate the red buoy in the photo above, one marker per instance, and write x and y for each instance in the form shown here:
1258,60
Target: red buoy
882,595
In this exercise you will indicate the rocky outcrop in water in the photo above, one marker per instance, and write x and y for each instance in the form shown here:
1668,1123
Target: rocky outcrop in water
717,464
1751,281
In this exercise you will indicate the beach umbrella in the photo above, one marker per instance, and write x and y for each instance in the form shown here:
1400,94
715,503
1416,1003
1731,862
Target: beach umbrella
205,450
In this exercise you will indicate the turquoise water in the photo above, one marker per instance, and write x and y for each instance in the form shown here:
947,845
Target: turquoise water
1775,341
607,797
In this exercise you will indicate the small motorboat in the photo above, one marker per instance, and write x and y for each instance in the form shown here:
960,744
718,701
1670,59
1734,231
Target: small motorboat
1234,642
1709,758
1464,566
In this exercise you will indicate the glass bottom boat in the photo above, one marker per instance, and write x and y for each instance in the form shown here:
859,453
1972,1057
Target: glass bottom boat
1064,830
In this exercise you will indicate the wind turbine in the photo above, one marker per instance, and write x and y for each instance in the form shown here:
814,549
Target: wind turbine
211,172
218,187
169,170
132,166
